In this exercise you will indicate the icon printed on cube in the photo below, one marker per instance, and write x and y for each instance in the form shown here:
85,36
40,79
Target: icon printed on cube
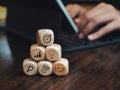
61,67
45,37
37,52
45,68
45,57
53,52
29,67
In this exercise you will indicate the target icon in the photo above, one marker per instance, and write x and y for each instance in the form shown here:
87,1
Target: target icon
47,39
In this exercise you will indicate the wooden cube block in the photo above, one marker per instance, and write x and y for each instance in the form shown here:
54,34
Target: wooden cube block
45,68
29,67
53,52
45,37
61,67
37,52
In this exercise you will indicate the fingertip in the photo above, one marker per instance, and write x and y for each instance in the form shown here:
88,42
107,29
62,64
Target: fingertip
81,35
91,37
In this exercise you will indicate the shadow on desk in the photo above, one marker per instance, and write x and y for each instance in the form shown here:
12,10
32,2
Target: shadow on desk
93,69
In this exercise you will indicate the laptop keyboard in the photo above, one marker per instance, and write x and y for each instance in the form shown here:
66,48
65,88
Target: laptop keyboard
71,42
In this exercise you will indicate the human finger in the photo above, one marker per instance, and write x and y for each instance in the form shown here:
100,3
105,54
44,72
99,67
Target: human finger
105,30
98,20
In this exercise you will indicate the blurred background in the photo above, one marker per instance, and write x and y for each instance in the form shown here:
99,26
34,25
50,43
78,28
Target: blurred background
3,9
16,6
3,15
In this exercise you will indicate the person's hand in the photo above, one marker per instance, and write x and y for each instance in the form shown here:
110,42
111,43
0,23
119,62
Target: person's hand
101,14
76,12
87,20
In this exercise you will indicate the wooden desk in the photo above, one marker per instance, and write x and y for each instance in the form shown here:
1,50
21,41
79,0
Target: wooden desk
93,69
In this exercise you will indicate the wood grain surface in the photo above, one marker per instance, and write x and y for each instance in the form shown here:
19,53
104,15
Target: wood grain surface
93,69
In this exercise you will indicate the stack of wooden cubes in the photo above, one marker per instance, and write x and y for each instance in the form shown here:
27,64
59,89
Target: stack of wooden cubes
45,56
